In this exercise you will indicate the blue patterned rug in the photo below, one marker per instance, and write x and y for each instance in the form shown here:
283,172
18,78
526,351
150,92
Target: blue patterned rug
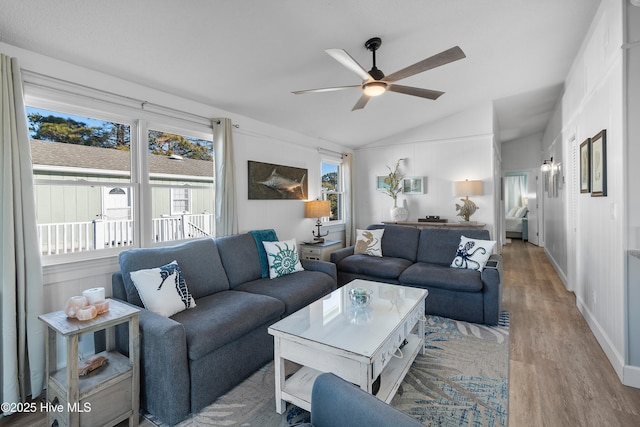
462,380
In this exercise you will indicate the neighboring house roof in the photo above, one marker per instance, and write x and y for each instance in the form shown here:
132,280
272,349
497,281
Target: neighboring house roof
59,154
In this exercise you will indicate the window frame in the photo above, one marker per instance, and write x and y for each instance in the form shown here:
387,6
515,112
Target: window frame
54,95
340,192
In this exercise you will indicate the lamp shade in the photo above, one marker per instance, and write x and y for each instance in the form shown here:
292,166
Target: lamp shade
467,188
317,208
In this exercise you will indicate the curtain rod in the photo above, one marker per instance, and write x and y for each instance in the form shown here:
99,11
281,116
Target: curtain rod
55,81
329,152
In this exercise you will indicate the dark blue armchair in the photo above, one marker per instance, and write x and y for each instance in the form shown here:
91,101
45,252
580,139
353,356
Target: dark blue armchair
338,403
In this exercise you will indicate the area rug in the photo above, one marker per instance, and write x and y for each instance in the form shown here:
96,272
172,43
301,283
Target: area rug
462,380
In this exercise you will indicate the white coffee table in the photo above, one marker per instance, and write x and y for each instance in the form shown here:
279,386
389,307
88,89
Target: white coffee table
330,335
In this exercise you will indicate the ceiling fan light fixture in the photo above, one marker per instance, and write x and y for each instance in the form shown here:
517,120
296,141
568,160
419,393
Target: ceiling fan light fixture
374,88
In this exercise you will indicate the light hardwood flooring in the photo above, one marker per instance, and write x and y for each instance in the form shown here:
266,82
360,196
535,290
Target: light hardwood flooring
558,374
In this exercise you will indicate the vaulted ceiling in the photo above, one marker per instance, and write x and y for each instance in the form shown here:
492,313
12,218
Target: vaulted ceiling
247,57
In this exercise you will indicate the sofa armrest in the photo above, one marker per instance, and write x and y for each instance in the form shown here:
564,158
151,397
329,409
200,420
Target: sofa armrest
164,377
334,401
321,266
492,280
340,254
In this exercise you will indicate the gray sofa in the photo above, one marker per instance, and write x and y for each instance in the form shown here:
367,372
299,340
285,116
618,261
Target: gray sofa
336,402
422,258
191,358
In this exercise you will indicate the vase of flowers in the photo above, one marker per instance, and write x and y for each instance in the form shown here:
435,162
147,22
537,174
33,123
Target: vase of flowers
394,182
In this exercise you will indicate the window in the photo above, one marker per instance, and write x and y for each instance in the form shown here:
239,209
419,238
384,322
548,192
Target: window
81,168
332,189
99,189
181,181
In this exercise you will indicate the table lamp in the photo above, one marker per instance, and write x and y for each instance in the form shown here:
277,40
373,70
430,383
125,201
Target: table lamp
317,209
467,188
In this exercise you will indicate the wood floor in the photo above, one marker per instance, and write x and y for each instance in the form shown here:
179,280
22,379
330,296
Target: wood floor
558,374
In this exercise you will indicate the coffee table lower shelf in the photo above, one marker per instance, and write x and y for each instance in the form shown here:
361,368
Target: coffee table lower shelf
297,388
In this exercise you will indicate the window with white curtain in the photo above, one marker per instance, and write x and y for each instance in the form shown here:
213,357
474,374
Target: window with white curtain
515,192
109,175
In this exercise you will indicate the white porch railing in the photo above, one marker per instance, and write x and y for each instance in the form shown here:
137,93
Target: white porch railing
69,237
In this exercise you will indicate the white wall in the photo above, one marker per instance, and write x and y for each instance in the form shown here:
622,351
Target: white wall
522,154
586,236
253,141
453,149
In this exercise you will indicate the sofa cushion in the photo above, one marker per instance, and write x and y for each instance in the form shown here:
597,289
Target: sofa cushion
296,290
369,242
224,317
163,290
283,258
399,241
199,261
239,254
473,253
433,275
384,267
439,245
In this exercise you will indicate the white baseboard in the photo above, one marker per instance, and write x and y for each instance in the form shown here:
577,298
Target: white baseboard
561,273
628,375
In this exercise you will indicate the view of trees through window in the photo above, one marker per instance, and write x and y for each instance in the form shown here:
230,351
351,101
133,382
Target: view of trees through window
332,189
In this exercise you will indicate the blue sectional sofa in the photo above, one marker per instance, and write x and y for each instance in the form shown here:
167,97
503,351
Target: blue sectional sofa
191,358
422,258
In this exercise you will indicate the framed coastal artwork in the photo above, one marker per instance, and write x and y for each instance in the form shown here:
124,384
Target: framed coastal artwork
585,166
269,181
414,185
599,165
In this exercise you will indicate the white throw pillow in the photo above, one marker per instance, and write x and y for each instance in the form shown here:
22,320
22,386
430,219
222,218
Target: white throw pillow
512,211
472,253
520,213
283,258
163,290
369,242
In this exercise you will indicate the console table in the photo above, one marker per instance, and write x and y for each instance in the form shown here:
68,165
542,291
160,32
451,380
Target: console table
420,224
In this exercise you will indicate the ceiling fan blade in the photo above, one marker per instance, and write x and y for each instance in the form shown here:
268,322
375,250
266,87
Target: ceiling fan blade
326,89
361,102
442,58
347,61
415,91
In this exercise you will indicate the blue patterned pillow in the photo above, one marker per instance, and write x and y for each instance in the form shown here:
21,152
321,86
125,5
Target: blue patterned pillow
473,254
163,290
283,258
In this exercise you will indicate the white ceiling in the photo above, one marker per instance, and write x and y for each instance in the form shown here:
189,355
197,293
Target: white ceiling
247,56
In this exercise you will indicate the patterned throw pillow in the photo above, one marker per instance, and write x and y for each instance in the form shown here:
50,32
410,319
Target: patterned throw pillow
369,242
283,258
473,254
163,290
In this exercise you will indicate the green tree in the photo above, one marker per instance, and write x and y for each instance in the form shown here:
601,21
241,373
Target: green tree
167,144
66,130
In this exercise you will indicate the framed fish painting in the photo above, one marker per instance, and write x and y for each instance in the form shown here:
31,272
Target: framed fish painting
268,181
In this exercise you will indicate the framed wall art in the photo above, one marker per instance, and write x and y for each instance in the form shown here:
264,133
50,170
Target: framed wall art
599,165
414,185
269,181
585,166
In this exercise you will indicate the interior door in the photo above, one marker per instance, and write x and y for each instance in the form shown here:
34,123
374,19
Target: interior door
533,182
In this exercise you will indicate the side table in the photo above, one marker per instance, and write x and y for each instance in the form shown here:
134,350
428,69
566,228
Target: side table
106,396
319,251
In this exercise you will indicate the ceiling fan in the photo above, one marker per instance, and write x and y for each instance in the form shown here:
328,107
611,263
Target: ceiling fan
375,83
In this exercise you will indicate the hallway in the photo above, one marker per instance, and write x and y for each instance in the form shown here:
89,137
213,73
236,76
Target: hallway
558,373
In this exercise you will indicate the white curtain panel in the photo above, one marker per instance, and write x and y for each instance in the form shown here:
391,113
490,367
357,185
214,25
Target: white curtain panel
515,191
350,227
23,335
226,205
